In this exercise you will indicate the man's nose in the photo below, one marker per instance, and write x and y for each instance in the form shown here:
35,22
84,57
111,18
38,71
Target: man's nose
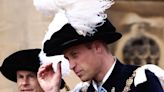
72,64
25,81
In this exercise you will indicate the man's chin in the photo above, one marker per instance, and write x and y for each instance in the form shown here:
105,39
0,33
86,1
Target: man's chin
84,79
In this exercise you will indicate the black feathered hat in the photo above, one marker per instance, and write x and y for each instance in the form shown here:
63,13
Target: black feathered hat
67,37
21,60
74,24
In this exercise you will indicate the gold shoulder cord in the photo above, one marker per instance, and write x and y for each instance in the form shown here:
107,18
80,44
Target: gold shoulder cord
129,81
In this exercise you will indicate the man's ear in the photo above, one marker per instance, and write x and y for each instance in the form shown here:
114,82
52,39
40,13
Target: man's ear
97,46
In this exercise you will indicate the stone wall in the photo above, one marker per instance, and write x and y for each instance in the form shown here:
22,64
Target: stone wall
143,31
22,27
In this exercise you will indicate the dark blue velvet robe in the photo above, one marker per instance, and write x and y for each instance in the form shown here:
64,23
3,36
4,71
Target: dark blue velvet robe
121,73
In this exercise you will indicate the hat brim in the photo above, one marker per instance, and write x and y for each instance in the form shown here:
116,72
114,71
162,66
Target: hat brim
9,71
62,46
27,60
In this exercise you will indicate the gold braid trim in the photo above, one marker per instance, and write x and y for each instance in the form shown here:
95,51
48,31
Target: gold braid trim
129,82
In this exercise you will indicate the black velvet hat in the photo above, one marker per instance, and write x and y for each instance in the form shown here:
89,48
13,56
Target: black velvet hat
67,37
21,60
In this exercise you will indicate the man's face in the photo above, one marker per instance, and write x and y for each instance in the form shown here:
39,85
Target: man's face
83,61
27,82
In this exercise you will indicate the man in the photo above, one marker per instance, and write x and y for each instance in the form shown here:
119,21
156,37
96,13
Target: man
21,67
85,46
90,59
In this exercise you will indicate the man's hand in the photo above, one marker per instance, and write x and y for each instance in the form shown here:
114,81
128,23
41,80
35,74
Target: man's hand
49,80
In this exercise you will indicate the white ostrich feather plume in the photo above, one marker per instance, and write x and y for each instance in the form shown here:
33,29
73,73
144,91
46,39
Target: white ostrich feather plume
86,15
58,21
55,60
83,15
47,7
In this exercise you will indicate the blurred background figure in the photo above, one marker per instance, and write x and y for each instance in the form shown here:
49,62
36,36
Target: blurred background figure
21,67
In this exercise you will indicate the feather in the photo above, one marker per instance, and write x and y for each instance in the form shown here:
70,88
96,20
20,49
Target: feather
55,60
47,7
57,23
83,15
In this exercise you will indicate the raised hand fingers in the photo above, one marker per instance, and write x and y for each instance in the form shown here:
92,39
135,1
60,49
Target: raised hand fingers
58,71
43,69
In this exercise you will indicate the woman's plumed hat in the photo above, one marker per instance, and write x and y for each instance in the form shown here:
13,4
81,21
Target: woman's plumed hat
76,22
20,60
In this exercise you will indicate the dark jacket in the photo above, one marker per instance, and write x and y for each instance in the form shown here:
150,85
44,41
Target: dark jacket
121,73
